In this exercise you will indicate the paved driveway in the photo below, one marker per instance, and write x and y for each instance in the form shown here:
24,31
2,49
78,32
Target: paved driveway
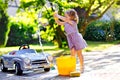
99,65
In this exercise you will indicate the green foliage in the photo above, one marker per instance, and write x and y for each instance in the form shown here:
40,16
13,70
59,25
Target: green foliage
4,23
101,31
87,8
97,31
48,34
36,4
117,30
21,33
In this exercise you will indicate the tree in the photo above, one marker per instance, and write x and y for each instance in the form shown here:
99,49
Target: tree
91,10
88,11
4,27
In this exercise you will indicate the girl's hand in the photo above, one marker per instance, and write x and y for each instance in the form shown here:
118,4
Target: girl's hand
55,15
55,12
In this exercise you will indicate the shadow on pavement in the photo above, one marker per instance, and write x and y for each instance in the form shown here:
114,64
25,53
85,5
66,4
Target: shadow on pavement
101,60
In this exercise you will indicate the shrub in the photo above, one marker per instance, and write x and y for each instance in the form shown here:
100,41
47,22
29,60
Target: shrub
97,31
20,34
117,30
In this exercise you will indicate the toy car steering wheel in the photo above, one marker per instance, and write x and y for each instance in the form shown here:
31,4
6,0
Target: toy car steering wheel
24,46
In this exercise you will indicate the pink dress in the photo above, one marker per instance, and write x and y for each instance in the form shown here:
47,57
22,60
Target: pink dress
75,39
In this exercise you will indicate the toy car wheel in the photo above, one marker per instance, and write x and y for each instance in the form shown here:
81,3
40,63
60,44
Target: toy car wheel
46,69
3,67
18,70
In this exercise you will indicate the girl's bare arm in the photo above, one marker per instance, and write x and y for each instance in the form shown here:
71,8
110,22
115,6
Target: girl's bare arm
59,22
64,19
61,17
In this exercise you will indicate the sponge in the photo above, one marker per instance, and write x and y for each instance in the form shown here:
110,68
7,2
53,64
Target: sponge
52,67
75,74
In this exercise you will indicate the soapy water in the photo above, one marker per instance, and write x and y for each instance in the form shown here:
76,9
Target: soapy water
38,32
55,7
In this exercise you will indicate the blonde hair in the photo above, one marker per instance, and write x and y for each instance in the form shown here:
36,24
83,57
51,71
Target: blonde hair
73,15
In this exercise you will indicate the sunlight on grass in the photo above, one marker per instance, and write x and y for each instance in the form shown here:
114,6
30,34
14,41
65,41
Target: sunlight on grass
99,46
46,48
8,49
42,47
54,50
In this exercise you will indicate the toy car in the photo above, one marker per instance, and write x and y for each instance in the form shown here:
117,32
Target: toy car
24,59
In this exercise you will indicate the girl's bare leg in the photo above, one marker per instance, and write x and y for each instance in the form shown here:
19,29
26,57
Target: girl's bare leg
73,52
81,59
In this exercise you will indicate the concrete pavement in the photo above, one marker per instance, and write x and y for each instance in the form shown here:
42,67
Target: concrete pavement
102,65
99,65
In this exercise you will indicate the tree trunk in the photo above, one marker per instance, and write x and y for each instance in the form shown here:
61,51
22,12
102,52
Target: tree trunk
58,39
60,36
82,28
4,27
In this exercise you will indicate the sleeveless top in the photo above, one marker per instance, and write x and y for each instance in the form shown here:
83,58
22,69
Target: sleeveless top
71,28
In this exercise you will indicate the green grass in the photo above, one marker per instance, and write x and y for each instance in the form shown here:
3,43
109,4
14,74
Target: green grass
54,50
98,46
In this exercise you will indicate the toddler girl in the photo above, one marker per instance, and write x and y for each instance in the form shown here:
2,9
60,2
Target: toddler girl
75,40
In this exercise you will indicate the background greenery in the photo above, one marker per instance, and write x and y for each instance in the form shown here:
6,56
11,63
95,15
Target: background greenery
87,10
21,33
4,23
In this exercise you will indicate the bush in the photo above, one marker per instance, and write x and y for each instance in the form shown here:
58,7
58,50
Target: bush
117,30
97,31
20,34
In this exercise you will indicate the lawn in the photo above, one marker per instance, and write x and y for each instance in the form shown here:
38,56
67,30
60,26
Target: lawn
54,50
98,46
